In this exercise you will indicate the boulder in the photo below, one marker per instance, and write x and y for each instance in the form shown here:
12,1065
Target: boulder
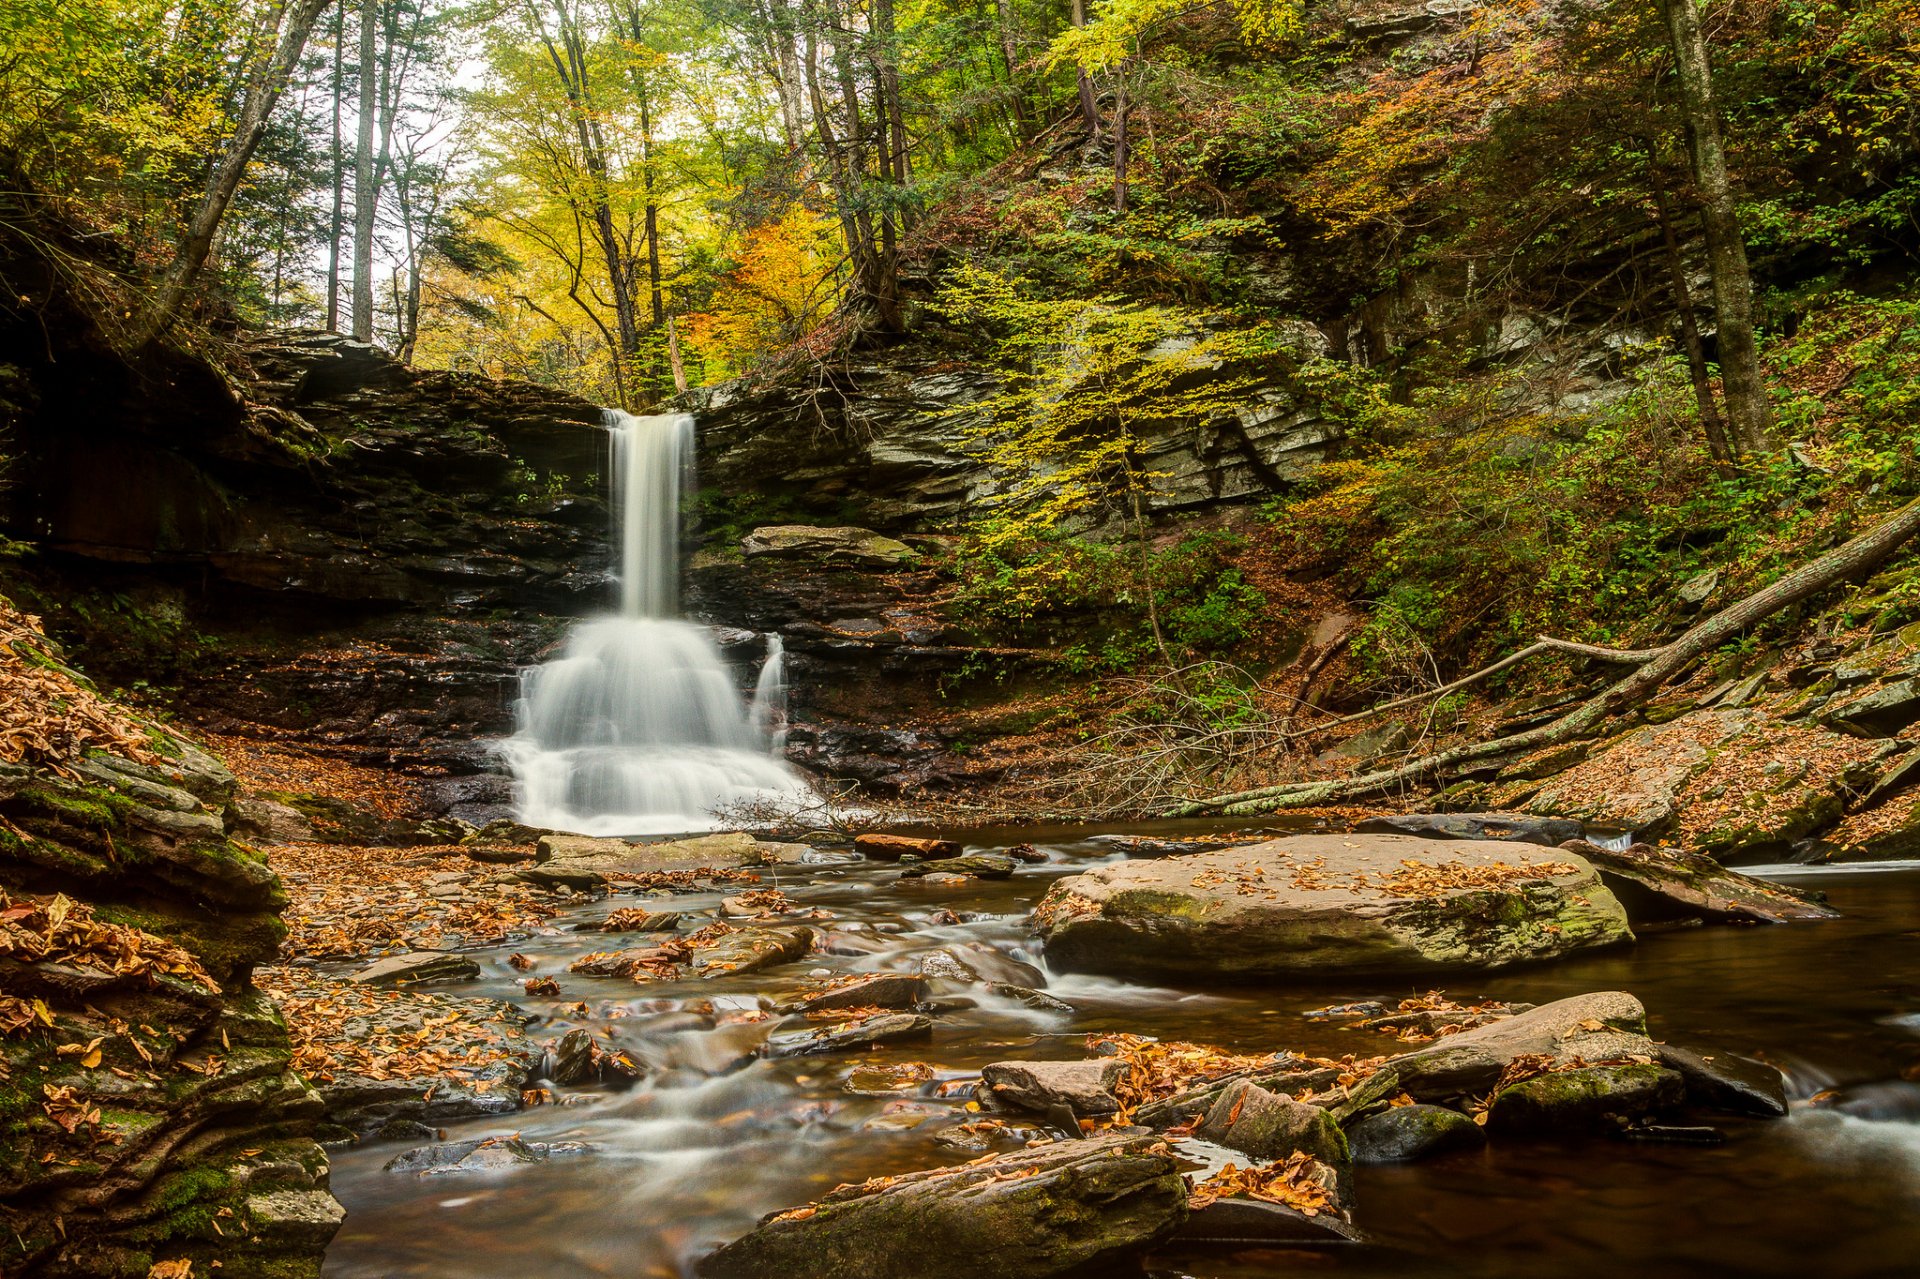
857,546
1330,904
975,962
854,1036
1521,828
1586,1098
485,1154
1084,1087
739,950
269,820
880,990
417,968
978,866
1659,884
1403,1133
1602,1026
1635,784
1723,1081
1256,1221
1270,1126
891,848
1038,1000
1885,711
1286,1074
1030,1214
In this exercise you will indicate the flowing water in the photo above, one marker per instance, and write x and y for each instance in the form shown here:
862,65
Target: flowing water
717,1135
638,727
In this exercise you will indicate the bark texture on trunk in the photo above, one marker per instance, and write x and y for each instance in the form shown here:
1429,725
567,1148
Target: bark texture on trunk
1749,415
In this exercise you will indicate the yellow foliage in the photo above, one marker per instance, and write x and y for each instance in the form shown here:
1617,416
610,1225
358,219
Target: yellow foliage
779,293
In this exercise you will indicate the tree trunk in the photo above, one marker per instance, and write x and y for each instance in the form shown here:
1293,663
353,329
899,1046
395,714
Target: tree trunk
1748,411
1120,139
365,192
267,80
339,174
1089,110
1004,25
1697,371
1654,668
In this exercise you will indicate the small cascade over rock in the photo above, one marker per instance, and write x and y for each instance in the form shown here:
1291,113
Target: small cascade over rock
637,727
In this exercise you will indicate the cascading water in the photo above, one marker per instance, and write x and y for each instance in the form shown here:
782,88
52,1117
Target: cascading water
637,727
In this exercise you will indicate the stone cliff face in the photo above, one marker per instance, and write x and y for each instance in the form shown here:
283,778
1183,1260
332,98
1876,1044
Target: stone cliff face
148,1109
337,548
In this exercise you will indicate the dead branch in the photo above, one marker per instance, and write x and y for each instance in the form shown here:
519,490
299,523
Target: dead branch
1654,667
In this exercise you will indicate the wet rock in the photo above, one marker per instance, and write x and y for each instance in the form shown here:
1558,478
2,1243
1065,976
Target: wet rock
724,849
1286,1075
1330,904
575,1059
740,950
641,921
1255,1221
1661,884
1519,828
1269,1126
1590,1099
891,848
417,968
1083,1087
859,546
1027,853
978,866
856,1036
486,1154
979,962
1038,1000
1074,1205
881,990
572,879
1403,1133
1730,1083
1597,1027
980,1136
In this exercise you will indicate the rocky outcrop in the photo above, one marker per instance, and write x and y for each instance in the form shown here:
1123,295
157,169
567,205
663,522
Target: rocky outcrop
1330,904
148,1108
1049,1210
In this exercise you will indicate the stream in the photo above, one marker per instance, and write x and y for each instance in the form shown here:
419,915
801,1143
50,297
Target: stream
717,1135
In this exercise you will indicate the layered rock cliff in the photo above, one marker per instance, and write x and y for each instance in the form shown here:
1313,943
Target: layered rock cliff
148,1110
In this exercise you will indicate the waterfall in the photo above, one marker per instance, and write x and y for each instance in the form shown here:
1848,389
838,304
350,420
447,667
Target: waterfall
637,727
770,695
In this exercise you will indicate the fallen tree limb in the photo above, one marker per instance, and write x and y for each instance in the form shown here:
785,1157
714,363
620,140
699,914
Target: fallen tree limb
1654,667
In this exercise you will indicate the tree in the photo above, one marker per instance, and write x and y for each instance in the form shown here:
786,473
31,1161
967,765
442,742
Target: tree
276,53
1749,413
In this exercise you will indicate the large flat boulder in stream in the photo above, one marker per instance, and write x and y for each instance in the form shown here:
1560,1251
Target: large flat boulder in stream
845,545
1330,904
1656,884
1026,1215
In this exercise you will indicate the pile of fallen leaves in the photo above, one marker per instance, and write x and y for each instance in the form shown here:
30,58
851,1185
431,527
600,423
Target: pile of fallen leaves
339,1028
1298,1182
47,715
1160,1068
346,901
1418,879
60,930
288,769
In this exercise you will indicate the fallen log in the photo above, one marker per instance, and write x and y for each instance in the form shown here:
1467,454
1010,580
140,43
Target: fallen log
1652,669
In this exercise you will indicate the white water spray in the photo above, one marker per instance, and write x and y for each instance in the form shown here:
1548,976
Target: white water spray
637,727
